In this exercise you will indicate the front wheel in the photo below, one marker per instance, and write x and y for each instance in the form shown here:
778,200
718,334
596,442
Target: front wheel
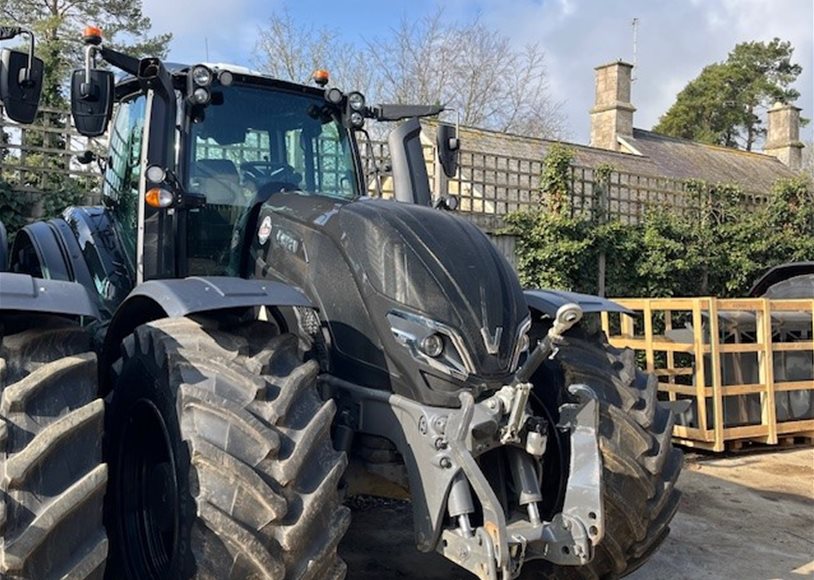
640,465
220,456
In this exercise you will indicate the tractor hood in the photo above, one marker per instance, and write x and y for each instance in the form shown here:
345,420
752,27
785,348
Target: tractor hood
435,270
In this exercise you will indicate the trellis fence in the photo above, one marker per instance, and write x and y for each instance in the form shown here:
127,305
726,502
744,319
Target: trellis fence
491,185
41,158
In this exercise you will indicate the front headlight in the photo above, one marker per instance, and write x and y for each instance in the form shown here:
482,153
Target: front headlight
201,75
433,343
356,101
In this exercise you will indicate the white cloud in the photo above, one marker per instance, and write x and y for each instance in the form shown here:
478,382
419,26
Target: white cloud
676,40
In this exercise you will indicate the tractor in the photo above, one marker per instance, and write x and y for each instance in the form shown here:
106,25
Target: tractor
196,373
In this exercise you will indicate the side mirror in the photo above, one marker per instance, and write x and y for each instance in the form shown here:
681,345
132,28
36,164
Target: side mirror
449,148
91,100
20,85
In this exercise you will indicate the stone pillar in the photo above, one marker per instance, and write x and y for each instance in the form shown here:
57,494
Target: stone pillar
612,114
783,135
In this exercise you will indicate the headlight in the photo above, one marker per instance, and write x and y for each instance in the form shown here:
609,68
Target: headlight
201,75
356,101
156,174
200,96
432,343
356,119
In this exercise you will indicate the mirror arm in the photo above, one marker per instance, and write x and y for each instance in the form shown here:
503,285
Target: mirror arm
90,63
121,61
26,76
384,112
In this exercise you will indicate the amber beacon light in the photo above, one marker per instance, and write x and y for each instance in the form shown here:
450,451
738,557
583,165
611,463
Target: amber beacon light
92,35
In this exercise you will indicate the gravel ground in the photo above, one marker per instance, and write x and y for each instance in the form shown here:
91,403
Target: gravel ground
748,516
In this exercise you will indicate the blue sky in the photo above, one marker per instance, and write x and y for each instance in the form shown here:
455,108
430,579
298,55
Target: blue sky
676,39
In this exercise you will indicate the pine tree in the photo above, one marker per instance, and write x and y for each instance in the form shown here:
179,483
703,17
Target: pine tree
723,105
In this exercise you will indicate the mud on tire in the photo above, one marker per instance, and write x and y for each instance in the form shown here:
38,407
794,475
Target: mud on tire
220,458
640,464
52,480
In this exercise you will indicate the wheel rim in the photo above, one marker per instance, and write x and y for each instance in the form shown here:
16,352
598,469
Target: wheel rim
147,493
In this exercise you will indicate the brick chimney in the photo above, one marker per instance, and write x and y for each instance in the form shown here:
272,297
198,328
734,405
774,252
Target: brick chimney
612,114
783,135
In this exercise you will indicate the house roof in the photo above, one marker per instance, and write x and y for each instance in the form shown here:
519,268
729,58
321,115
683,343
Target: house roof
682,159
651,154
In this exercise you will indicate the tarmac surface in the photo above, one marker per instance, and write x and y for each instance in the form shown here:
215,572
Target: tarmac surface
745,516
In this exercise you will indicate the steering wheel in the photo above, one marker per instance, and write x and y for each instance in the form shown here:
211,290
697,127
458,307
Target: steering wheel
265,171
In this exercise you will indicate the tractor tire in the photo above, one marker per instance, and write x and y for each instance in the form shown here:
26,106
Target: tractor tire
221,461
640,464
52,480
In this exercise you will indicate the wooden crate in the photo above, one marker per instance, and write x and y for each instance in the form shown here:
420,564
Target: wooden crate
731,359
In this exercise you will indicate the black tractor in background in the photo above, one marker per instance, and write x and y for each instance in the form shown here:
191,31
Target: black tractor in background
188,370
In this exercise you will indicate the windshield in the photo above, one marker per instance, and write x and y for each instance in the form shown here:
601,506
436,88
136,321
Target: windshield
249,144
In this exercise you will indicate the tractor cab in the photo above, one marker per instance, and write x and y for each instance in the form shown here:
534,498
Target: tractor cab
226,142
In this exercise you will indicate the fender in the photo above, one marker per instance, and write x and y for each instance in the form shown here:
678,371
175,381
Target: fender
23,293
82,247
548,301
175,298
39,251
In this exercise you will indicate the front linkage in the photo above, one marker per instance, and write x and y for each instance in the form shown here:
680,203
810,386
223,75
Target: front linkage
441,445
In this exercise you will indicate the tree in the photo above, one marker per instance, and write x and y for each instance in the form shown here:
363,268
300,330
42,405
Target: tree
724,104
58,25
471,68
468,67
288,50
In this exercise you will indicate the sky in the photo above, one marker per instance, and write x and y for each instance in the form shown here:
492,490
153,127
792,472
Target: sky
676,38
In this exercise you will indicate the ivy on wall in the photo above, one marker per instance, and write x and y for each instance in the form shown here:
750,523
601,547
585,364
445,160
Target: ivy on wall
719,249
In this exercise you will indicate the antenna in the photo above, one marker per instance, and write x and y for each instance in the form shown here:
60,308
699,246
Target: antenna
635,25
206,47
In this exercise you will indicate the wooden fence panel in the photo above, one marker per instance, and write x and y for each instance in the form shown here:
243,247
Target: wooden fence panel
36,159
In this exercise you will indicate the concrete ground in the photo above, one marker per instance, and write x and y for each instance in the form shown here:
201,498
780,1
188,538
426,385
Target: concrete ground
748,516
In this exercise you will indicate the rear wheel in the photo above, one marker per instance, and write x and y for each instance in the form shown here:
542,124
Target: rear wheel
52,480
221,459
640,464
